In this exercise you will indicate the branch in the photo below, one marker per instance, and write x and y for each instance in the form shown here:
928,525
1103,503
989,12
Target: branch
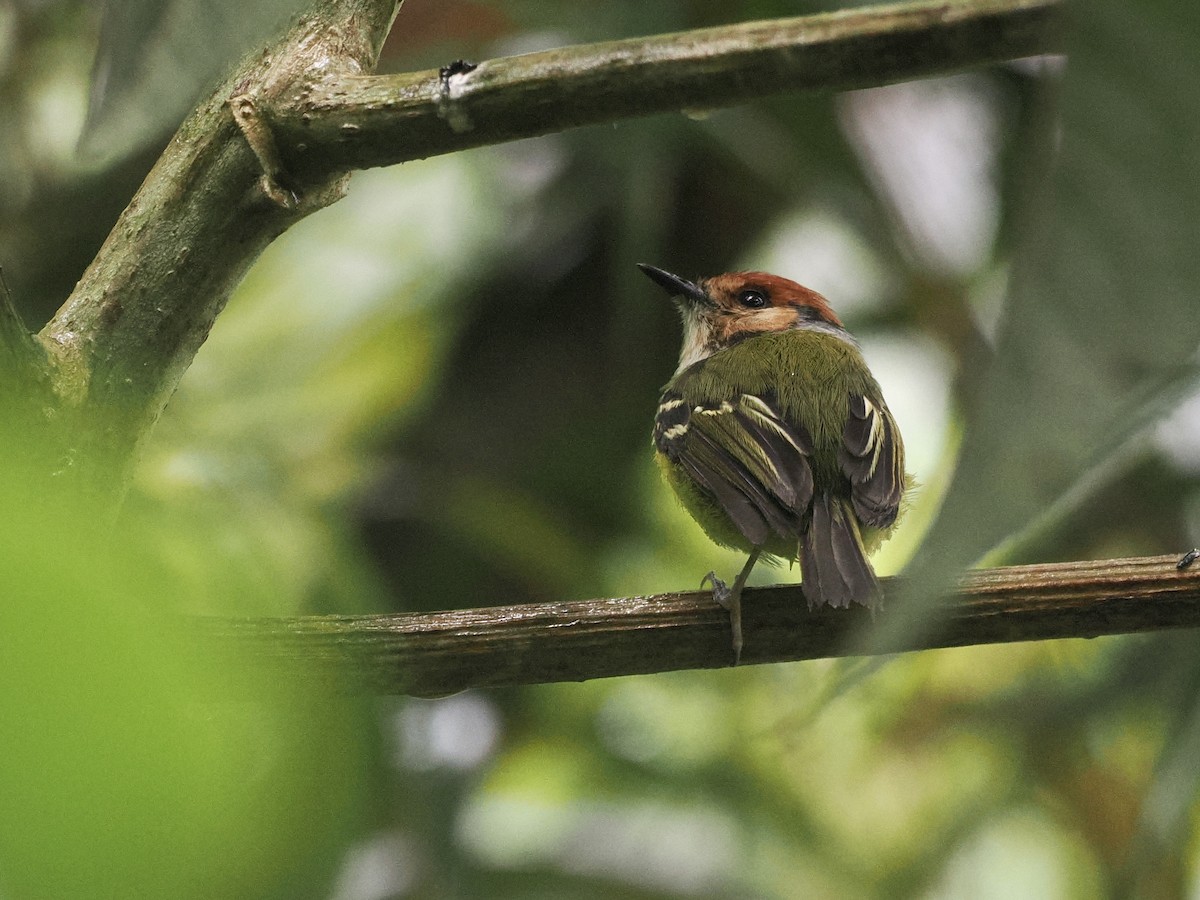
205,212
359,122
434,654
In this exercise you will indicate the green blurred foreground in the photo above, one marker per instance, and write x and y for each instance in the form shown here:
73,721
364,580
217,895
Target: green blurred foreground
128,770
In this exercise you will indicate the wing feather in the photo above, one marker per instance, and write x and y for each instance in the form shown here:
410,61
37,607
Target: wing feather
872,458
743,453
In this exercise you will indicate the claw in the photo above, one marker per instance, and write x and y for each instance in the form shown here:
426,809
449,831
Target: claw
720,590
730,598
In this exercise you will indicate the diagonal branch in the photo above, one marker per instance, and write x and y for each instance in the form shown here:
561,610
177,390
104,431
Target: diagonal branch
135,320
432,654
358,122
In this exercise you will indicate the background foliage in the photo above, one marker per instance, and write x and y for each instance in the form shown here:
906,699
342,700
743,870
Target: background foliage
438,392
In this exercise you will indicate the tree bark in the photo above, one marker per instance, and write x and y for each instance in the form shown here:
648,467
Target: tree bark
359,122
134,322
432,654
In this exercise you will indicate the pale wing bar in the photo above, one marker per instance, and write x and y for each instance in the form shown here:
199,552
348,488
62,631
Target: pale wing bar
872,458
746,456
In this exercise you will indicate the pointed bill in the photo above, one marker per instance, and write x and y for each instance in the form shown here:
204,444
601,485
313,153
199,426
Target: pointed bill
674,285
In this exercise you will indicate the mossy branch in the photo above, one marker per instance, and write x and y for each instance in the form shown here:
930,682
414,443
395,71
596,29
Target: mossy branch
134,322
431,654
358,122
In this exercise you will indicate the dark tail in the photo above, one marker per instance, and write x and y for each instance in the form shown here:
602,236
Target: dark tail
832,561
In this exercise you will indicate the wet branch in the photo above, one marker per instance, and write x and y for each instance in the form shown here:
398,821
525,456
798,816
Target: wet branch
432,654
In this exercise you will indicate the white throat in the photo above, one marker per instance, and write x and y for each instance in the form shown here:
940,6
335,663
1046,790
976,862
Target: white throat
697,342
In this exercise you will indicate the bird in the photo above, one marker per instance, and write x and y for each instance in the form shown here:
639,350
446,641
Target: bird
775,436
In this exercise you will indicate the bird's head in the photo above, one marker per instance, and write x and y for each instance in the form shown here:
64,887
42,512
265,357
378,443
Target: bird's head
720,311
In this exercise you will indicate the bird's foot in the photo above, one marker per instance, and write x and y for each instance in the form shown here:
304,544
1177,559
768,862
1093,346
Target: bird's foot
729,599
721,592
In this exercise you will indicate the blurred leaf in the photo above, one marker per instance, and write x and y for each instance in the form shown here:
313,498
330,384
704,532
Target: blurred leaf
138,761
1166,815
156,56
1101,330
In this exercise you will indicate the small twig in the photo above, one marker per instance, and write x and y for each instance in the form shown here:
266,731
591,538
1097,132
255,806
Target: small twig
275,182
27,430
439,653
21,356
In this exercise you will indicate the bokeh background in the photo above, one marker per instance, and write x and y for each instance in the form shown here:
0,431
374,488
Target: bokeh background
438,393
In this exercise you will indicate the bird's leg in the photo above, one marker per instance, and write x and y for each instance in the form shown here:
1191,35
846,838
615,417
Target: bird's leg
730,598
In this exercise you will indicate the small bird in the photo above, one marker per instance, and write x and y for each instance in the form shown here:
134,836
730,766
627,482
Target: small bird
776,438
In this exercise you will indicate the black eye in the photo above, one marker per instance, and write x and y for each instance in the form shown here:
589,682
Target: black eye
753,299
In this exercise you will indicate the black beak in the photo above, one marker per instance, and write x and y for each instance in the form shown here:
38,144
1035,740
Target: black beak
674,285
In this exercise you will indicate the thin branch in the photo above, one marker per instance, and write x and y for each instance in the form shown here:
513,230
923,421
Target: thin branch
26,391
20,354
439,653
358,122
